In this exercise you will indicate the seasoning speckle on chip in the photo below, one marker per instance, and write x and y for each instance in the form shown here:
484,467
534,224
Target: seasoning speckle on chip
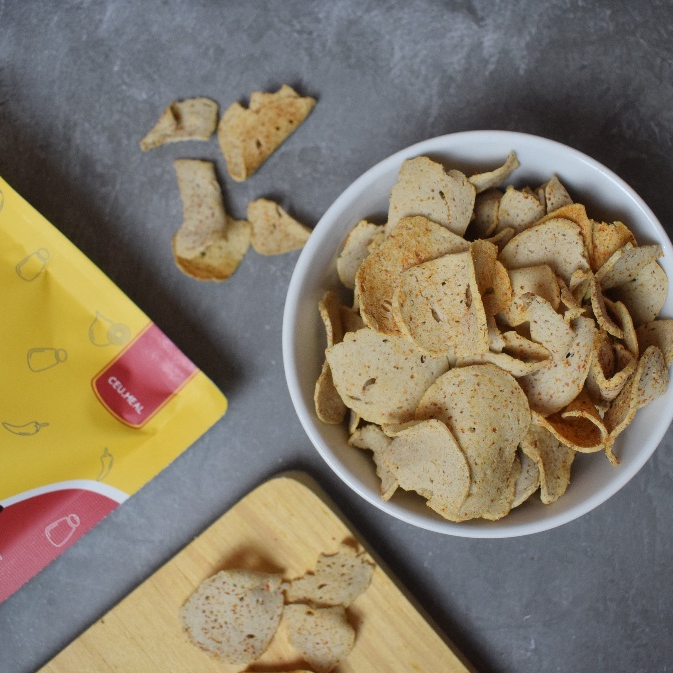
503,334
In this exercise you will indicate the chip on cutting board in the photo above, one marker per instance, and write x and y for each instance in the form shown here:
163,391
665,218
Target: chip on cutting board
234,614
189,119
248,136
274,232
209,245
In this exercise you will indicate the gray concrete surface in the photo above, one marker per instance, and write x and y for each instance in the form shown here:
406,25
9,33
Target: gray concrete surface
82,81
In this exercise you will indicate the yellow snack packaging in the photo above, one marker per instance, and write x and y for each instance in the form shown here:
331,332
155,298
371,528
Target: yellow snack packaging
95,399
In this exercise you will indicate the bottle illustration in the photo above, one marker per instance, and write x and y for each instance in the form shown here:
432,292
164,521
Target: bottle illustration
30,267
61,530
25,430
106,461
40,359
105,332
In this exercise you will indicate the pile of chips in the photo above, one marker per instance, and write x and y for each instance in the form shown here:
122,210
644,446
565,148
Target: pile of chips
234,615
494,333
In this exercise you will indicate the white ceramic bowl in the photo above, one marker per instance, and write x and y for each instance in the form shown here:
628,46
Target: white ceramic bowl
606,196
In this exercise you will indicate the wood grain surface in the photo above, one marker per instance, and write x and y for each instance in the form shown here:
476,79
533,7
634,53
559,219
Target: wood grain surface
282,526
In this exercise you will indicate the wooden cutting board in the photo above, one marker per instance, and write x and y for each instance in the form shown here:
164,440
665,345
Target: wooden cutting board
282,526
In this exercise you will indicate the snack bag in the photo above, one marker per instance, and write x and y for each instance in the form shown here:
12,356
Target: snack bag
95,400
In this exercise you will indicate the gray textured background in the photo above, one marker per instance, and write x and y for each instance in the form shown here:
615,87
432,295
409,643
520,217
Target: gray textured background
82,81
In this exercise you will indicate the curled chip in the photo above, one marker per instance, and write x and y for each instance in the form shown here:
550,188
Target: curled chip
382,377
274,232
209,245
338,579
425,188
189,119
234,614
487,413
248,137
424,457
415,239
323,636
487,305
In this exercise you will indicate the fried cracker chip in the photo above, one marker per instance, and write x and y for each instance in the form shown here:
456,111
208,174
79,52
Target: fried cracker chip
189,119
209,245
438,306
485,220
557,383
329,406
338,579
492,277
382,377
248,136
611,367
372,438
425,457
322,636
607,238
626,263
553,195
649,381
329,308
622,318
355,250
519,208
538,280
487,413
579,426
644,295
233,615
572,308
425,187
528,480
657,333
502,237
553,460
415,240
557,242
274,232
600,311
577,213
496,177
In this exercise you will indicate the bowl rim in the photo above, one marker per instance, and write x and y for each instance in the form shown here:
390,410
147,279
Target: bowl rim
307,416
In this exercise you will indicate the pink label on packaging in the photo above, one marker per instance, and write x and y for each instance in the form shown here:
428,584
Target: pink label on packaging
143,378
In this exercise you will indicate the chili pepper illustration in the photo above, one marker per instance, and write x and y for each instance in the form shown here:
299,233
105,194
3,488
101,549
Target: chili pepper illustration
106,461
27,429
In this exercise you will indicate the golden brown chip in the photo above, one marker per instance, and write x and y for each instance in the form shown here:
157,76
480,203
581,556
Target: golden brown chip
519,208
355,250
554,195
234,614
372,438
600,311
557,383
528,480
553,459
607,238
338,579
538,280
425,457
622,318
492,278
329,406
485,220
248,136
626,263
415,240
496,177
644,295
437,304
556,242
209,245
189,119
424,187
488,414
502,238
323,636
274,232
382,377
611,367
575,212
657,333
